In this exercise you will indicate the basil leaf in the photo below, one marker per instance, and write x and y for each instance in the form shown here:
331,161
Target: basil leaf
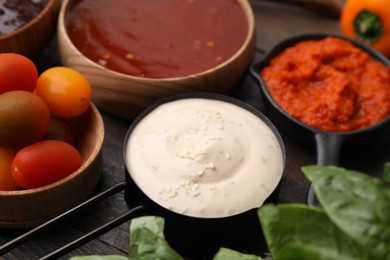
147,240
98,257
225,253
297,231
357,203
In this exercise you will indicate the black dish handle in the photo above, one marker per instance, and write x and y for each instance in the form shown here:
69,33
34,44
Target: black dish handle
328,152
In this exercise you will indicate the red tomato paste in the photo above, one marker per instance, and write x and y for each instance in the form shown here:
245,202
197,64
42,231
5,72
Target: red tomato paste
330,84
157,38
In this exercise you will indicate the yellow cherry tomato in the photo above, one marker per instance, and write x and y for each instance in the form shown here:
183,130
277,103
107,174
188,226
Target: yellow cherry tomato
66,92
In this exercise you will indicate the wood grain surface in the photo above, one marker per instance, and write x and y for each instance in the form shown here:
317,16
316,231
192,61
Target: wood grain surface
274,22
330,8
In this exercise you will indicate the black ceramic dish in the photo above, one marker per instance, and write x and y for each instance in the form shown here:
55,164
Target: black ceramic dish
196,237
328,144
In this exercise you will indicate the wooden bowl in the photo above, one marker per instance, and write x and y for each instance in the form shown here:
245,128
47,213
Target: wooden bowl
35,35
27,208
126,96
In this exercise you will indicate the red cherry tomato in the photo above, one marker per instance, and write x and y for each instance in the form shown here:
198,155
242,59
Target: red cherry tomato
44,162
17,72
6,180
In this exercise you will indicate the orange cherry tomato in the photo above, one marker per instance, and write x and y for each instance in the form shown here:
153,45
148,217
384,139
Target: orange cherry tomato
7,183
66,92
43,163
17,72
369,22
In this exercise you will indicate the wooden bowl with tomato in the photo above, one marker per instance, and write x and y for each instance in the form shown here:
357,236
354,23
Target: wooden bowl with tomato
51,136
30,207
33,27
155,51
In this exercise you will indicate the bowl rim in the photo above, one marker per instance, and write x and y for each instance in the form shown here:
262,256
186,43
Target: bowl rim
248,42
95,153
50,5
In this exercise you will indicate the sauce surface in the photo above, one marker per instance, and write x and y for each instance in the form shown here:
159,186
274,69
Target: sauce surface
204,158
155,38
16,13
330,84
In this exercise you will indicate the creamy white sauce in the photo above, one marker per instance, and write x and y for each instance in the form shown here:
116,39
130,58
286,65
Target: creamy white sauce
204,158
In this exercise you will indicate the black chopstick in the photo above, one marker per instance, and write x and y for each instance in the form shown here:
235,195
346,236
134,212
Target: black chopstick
61,218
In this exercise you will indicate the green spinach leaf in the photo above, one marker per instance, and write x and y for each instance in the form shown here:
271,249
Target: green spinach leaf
357,203
297,231
225,253
147,240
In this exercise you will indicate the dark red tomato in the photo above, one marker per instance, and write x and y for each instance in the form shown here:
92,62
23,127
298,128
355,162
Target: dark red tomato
43,163
60,129
17,72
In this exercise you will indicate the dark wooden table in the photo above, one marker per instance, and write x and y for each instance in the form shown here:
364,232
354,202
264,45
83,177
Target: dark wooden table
274,22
